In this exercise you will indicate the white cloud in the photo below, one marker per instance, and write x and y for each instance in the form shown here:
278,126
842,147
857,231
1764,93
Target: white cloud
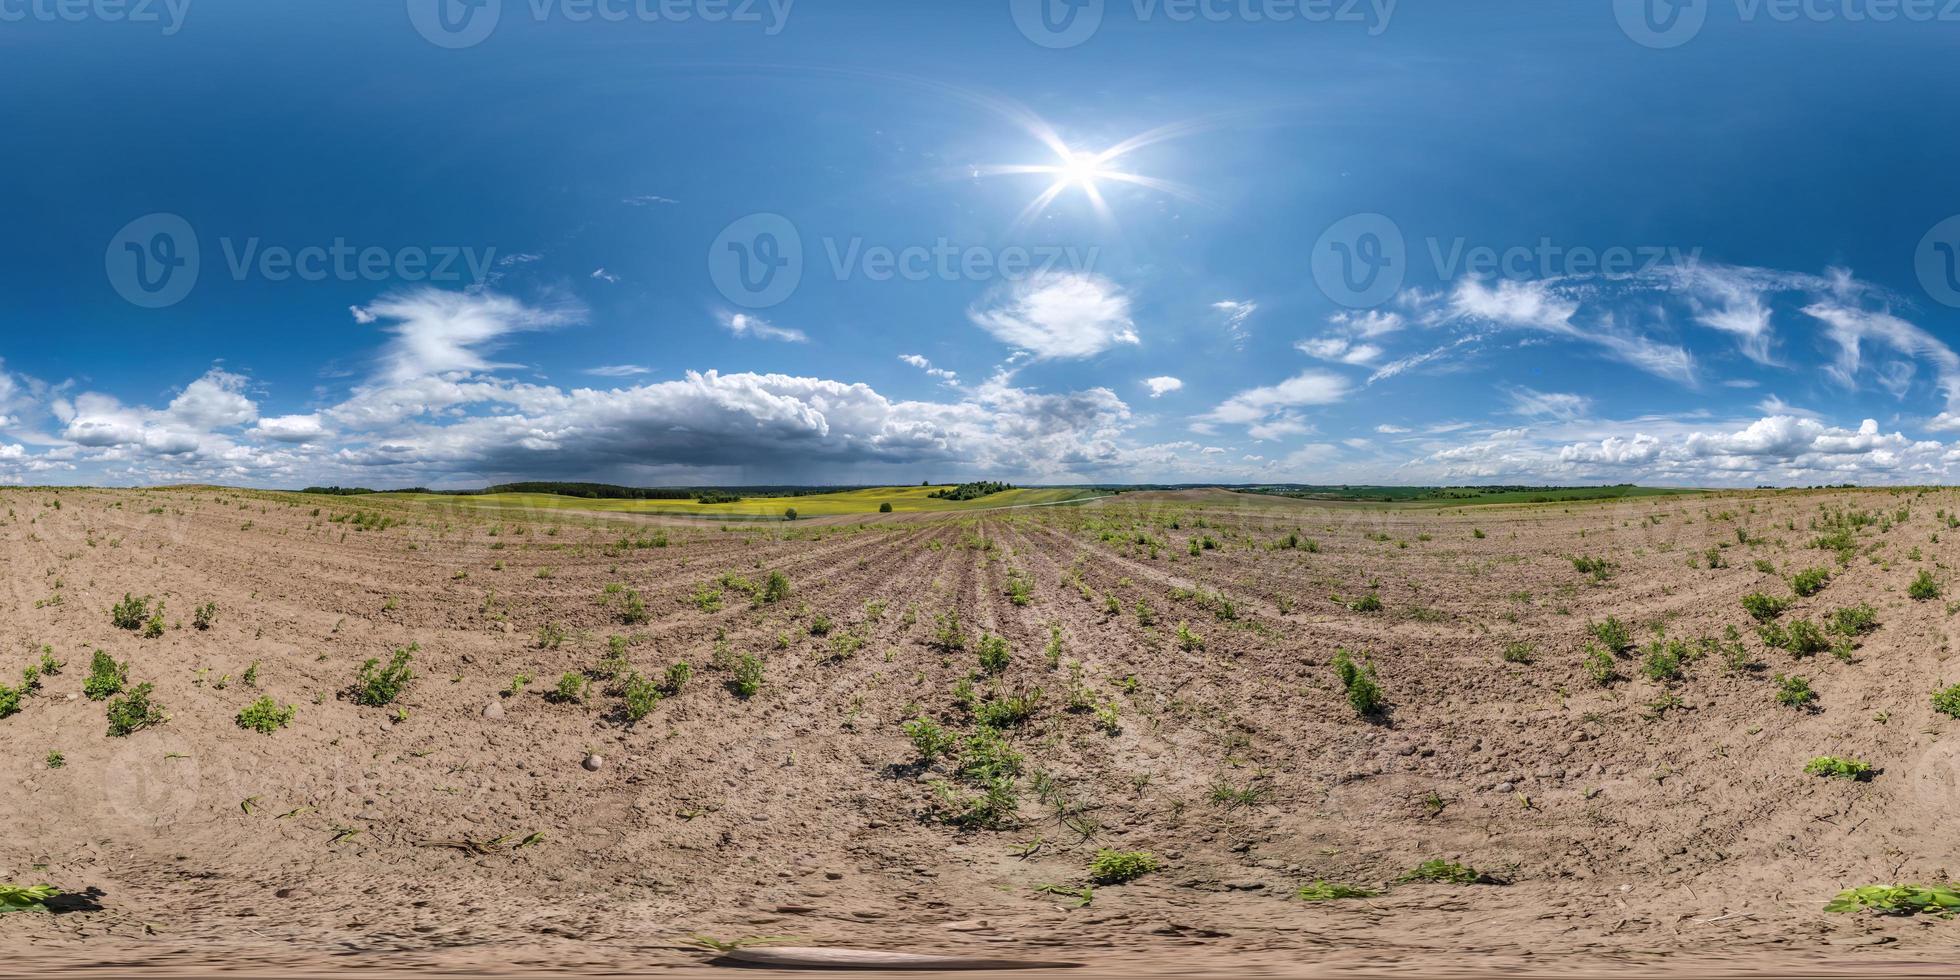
1390,430
744,325
1162,385
1236,313
1777,449
1539,404
919,361
602,275
1773,405
1851,328
1368,323
1536,305
291,428
1064,315
1339,349
438,332
647,200
618,370
193,419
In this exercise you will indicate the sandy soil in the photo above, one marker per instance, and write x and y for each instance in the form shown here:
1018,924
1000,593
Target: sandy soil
1637,827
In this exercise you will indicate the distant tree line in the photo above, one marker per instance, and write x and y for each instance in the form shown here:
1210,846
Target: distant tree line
971,491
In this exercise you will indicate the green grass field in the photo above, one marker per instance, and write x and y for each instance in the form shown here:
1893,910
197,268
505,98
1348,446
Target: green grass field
904,500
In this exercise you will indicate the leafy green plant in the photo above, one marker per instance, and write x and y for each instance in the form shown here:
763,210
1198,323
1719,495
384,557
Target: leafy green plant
930,740
130,613
26,898
135,711
105,676
1941,900
948,634
377,685
1117,867
1853,620
640,696
1810,581
1363,691
1366,604
1599,664
993,654
1664,660
1614,635
1924,587
205,616
678,674
1947,702
1187,640
1764,607
265,716
1443,872
1517,652
571,688
1836,768
1794,692
1327,891
747,681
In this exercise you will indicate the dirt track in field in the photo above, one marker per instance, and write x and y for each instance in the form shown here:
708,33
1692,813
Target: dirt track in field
1639,824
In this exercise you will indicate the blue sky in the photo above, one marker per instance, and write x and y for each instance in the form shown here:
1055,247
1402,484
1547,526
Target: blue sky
1410,242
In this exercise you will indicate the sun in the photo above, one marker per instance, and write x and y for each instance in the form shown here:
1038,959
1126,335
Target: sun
1085,171
1080,169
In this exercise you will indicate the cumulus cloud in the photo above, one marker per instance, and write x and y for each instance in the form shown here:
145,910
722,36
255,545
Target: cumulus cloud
1339,349
922,363
213,402
1162,385
291,428
745,325
1270,412
1064,315
1777,449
